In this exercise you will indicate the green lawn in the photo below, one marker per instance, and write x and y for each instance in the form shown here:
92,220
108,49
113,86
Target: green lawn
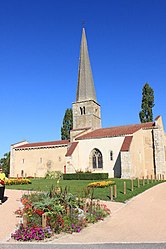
78,187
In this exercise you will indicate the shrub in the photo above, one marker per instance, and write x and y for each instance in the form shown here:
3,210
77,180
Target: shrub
85,176
53,175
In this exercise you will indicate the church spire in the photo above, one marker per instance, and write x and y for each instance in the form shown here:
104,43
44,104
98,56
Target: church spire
85,87
86,110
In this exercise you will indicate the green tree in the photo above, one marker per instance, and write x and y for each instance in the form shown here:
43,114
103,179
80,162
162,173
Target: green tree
67,124
5,162
146,114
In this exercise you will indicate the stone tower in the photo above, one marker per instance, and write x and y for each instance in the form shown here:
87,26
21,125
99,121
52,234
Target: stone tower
86,110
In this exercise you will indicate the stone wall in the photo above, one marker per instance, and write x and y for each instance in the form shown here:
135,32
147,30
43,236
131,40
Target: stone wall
86,114
125,164
159,151
37,161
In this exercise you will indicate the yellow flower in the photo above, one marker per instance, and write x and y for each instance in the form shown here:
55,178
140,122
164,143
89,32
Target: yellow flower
102,184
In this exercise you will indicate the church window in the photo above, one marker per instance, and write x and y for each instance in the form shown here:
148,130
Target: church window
41,159
81,110
111,155
60,158
97,159
23,160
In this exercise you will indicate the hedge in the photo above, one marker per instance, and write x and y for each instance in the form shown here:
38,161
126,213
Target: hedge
85,176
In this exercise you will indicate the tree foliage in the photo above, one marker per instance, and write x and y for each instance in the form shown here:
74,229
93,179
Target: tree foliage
146,114
67,124
5,163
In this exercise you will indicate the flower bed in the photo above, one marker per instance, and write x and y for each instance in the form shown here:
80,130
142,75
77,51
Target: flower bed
17,181
102,184
63,211
2,182
31,233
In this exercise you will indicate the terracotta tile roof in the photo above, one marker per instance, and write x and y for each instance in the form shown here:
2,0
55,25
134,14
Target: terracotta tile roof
71,149
116,131
43,144
126,143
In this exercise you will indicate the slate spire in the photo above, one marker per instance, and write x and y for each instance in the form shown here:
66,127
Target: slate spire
85,87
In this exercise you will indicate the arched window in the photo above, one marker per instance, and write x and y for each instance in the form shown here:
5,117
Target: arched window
82,110
96,159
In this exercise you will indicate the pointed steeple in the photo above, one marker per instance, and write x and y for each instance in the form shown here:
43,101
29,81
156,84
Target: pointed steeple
86,110
85,87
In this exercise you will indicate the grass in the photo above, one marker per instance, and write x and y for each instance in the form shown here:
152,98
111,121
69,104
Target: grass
78,187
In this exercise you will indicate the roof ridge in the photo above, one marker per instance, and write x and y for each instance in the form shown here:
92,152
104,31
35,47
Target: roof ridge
52,141
127,125
40,144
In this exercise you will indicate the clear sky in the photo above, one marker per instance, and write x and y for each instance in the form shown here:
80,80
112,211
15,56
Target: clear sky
39,54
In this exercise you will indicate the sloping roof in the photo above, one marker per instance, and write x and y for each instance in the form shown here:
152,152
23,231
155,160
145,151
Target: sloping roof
116,131
126,143
43,144
23,141
157,117
71,149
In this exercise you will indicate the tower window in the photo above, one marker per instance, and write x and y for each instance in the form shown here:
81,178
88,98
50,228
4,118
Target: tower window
82,110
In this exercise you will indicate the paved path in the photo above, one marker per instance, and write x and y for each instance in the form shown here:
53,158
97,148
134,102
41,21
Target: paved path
7,217
143,219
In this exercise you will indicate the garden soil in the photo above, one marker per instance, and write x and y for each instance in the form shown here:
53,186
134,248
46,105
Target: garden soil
142,219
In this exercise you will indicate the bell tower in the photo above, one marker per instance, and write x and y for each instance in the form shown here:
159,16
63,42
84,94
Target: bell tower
86,110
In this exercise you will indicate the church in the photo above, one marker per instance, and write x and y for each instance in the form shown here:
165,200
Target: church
130,151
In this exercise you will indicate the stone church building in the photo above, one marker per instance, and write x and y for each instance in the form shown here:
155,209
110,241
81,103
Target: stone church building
123,151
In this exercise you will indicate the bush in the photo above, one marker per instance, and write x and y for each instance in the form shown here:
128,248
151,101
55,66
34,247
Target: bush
85,176
53,175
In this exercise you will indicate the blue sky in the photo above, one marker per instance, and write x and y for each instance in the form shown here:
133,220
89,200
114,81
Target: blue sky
39,54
